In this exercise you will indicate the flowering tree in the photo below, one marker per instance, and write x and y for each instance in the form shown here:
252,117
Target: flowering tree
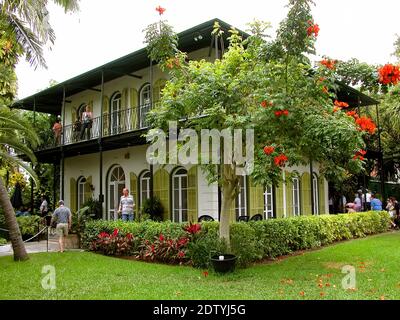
272,88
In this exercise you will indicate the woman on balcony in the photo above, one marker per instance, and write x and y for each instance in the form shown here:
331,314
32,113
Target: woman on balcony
87,121
57,128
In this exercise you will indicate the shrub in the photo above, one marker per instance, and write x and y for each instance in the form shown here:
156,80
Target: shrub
153,208
28,225
252,241
3,241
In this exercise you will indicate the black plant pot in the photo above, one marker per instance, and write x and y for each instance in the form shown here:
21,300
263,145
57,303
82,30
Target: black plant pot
227,264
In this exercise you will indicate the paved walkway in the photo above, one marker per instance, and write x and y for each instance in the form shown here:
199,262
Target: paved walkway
34,247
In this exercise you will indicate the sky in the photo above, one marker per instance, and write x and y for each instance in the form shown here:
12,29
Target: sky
105,30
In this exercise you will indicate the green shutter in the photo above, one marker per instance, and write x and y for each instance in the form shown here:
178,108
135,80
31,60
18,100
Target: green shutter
73,115
289,195
305,192
157,88
134,104
73,199
124,98
256,195
161,190
133,190
192,194
321,195
279,200
87,190
105,116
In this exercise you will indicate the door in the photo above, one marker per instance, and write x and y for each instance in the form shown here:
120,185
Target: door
179,196
115,107
116,183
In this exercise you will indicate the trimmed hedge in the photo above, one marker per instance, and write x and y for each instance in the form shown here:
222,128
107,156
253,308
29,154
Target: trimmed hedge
254,240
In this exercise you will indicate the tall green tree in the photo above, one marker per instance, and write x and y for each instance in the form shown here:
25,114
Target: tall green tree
272,88
24,30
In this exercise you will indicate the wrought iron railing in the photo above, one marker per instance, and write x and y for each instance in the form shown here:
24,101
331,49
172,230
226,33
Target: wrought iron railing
114,123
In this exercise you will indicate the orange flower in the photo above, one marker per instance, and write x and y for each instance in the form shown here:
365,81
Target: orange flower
352,114
366,124
160,10
269,149
313,28
280,160
341,104
389,74
330,64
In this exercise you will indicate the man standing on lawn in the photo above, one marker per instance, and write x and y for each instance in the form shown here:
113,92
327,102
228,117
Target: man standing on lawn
62,215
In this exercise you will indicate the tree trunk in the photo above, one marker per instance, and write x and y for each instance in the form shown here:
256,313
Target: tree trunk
12,225
228,194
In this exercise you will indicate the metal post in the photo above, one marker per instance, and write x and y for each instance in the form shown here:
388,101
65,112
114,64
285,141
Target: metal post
151,182
312,187
380,154
63,117
62,175
101,197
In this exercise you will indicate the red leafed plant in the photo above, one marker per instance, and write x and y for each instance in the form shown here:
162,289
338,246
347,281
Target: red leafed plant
113,244
193,228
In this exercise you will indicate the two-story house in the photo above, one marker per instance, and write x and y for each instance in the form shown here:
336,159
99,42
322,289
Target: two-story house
111,153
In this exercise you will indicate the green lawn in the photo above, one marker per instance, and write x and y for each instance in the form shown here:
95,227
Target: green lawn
312,275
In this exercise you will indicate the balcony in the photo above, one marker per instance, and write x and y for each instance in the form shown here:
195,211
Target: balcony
114,123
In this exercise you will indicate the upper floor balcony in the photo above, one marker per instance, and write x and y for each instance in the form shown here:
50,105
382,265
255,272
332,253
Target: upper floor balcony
114,123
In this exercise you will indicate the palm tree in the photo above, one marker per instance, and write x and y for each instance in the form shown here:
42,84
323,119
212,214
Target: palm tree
29,22
16,135
25,29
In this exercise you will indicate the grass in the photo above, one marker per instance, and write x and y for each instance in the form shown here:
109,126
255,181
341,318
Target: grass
310,275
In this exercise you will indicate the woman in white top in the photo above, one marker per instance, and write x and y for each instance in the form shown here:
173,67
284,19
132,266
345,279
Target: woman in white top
87,120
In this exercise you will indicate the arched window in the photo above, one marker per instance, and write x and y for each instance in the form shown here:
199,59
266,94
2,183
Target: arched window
315,194
296,196
115,106
115,183
81,191
144,186
144,104
179,195
269,203
241,199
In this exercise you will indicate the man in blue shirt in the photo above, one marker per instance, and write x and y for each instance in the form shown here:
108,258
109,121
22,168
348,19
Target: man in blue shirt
376,204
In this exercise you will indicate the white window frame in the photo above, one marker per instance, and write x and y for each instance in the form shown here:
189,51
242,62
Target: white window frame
80,192
144,104
145,176
269,207
296,195
180,189
112,213
241,209
115,114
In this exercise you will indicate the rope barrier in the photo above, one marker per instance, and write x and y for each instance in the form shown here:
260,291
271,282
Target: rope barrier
36,234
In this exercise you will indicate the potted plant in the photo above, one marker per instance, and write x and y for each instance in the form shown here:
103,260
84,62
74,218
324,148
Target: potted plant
224,263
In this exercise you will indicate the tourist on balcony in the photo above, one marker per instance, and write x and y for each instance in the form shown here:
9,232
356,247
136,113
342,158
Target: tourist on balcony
76,129
57,128
87,121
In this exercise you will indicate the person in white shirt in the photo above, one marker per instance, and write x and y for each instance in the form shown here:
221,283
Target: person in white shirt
43,207
126,205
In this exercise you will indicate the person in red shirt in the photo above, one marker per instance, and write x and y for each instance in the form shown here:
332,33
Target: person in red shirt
57,128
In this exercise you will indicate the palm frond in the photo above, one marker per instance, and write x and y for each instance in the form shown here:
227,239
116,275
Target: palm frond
17,145
68,5
30,43
17,161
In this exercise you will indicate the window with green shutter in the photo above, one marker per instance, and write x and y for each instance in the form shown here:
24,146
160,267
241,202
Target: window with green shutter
72,194
279,200
290,204
257,198
105,116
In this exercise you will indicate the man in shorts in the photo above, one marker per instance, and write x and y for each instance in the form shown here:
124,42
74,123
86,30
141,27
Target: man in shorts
63,217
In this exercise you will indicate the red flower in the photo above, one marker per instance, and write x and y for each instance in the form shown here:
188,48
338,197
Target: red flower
103,235
366,124
263,103
269,149
278,113
182,242
160,10
181,254
115,233
205,273
330,64
161,237
389,74
193,228
285,112
360,155
129,236
280,160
